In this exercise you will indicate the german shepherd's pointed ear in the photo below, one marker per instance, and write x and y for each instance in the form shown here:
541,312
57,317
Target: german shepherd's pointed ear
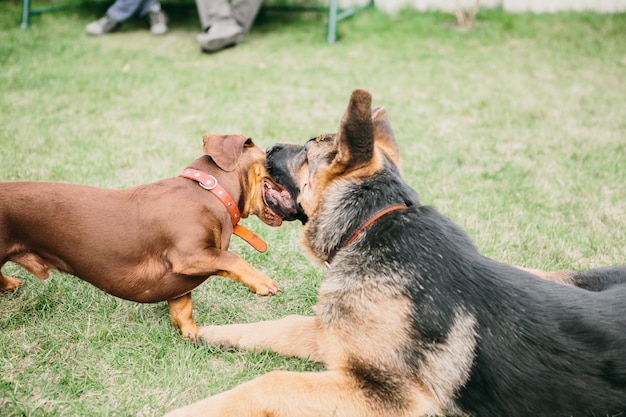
225,150
384,138
354,142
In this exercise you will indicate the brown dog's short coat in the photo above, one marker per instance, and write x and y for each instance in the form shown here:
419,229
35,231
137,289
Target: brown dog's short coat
149,243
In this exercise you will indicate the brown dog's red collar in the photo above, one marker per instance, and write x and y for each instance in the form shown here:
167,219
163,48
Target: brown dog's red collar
209,182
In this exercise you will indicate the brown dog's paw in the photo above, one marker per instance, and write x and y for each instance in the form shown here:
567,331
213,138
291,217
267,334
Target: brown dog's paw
9,284
190,332
264,286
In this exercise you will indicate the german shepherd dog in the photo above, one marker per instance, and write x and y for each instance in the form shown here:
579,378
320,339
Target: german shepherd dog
411,319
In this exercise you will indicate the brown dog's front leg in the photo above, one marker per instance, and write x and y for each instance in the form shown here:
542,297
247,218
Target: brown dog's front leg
233,267
181,316
213,261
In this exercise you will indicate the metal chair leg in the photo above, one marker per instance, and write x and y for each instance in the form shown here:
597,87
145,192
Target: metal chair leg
332,21
25,13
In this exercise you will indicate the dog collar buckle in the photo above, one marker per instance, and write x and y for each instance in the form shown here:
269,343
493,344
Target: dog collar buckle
209,182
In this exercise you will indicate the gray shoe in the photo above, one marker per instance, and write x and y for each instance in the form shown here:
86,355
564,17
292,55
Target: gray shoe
158,20
222,34
101,26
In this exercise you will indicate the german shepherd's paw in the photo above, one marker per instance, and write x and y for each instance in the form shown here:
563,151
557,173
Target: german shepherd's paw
213,336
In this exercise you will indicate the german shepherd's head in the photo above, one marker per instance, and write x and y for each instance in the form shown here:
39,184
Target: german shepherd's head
314,177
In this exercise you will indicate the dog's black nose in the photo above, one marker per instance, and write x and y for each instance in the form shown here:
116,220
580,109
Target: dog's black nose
272,148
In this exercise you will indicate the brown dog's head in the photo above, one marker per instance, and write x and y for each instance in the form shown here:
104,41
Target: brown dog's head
363,145
239,154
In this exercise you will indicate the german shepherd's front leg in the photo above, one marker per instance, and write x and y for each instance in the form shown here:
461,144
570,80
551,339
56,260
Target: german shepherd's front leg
286,394
291,336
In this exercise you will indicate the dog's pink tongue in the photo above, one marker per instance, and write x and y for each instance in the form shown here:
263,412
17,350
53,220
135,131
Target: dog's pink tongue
286,201
280,198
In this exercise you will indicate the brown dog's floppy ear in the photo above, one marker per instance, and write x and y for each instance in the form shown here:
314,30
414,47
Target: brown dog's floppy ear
225,150
383,135
355,141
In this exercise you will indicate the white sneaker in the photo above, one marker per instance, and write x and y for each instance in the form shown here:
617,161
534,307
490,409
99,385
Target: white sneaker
221,34
101,26
158,20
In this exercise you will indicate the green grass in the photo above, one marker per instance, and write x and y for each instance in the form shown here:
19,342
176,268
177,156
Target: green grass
515,129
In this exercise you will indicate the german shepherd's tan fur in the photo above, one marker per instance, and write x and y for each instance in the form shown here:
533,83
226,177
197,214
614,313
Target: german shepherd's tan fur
411,319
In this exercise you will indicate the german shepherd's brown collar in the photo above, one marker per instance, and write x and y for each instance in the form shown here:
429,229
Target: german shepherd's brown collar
411,319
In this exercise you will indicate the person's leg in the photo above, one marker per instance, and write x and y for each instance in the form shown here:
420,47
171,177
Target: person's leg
219,27
156,16
211,11
245,11
227,24
122,10
117,13
147,6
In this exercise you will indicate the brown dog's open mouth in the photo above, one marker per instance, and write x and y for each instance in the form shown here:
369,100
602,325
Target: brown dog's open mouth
279,201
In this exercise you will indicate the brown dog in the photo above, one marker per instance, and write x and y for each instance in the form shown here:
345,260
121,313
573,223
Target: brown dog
149,243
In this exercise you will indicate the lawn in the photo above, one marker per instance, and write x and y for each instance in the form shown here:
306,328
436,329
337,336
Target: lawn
515,129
